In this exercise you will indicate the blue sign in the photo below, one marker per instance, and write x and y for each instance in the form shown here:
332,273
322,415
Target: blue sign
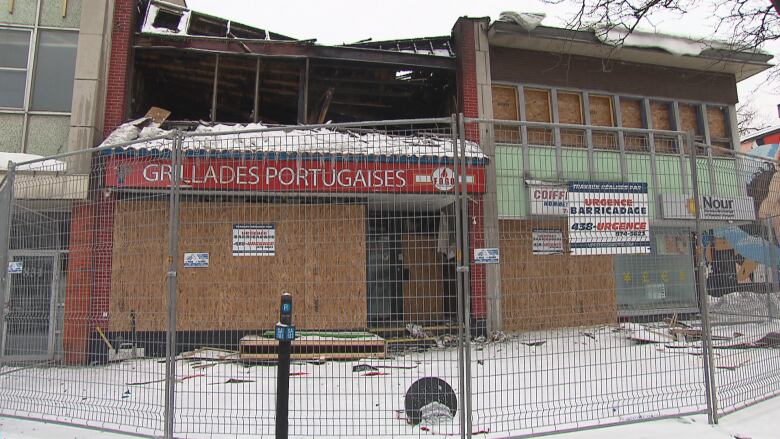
15,267
286,308
486,256
192,260
284,332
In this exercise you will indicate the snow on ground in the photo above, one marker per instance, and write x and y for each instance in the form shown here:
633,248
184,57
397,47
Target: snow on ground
575,378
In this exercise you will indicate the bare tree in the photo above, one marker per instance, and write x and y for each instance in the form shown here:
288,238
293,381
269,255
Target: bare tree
749,119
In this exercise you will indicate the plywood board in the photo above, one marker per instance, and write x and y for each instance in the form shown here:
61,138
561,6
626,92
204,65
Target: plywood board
570,107
631,113
320,260
661,113
689,119
505,103
716,119
601,113
537,105
423,290
552,291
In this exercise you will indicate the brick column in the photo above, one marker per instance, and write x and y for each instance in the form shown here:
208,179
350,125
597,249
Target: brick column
118,69
77,324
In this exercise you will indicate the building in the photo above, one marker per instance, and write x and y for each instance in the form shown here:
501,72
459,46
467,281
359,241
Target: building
554,80
53,69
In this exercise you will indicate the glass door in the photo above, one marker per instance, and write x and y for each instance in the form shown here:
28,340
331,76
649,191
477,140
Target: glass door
28,307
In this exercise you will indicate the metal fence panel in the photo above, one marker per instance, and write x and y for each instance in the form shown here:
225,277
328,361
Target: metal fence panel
552,276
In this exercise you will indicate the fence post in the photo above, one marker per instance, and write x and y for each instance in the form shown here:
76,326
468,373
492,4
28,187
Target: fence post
458,263
6,220
173,250
465,267
772,270
701,280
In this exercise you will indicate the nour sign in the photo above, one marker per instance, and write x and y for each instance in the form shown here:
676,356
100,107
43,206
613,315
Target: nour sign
713,207
608,218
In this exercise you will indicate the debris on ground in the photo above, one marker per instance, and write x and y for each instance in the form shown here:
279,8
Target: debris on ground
416,330
646,334
588,334
447,341
534,343
435,413
498,336
374,374
298,374
209,353
363,368
425,391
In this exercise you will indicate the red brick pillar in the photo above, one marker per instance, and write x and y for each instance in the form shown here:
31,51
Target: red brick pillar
79,284
464,36
118,68
104,248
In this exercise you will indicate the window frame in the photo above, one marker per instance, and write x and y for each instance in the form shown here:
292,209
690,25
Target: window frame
26,69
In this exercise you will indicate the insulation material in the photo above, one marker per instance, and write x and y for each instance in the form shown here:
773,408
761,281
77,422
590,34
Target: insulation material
549,291
152,20
423,291
323,141
675,45
527,20
325,276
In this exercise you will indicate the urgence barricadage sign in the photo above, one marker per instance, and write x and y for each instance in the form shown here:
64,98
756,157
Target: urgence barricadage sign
608,218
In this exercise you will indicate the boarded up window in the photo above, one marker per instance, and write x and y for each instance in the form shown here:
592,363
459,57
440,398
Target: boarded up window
662,120
505,107
602,114
689,119
570,111
716,119
538,109
631,117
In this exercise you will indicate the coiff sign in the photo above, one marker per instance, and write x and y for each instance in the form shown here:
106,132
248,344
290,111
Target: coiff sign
548,199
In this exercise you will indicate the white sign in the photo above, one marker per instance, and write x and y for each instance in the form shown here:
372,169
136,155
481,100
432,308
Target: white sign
254,240
195,260
547,241
713,207
548,199
486,256
15,267
608,218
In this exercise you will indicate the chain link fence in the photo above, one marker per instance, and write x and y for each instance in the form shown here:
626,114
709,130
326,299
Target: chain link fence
536,277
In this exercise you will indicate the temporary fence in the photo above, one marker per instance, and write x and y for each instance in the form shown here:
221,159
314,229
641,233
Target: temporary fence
449,276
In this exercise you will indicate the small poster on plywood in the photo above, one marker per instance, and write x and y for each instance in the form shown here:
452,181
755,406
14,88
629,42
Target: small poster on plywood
254,240
547,241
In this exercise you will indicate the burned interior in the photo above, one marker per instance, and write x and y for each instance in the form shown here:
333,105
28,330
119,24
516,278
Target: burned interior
203,68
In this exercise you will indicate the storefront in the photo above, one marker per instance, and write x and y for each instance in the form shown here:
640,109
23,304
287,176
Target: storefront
361,241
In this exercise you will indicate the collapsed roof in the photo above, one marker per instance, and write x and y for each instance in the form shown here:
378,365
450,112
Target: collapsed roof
208,68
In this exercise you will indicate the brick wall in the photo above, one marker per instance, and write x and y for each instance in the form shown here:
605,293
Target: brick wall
117,87
77,323
466,52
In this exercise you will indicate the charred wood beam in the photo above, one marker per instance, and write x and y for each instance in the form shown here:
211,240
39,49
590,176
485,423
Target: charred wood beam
284,49
214,91
303,92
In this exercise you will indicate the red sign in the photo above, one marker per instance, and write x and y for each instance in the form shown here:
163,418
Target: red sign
291,175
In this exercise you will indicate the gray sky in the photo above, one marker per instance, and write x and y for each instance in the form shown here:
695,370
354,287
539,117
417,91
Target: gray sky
346,21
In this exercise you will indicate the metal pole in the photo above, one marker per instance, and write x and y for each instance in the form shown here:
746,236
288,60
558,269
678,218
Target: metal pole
6,221
709,378
459,283
772,270
173,251
283,366
465,271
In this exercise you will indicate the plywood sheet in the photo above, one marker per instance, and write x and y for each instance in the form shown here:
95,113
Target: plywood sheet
320,260
716,119
601,113
537,105
631,113
505,103
552,291
661,115
689,119
570,107
423,290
